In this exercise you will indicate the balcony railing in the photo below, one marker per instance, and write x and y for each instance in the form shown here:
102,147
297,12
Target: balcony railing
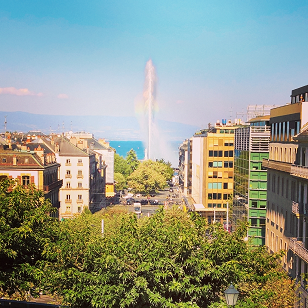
52,186
258,129
298,248
277,165
299,208
299,171
68,176
68,200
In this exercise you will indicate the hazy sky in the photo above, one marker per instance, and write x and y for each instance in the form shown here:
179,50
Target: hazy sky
88,57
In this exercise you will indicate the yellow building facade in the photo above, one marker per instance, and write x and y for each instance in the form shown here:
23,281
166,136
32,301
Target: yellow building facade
212,170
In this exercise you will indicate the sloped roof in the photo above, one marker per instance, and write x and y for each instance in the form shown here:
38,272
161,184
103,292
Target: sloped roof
25,160
66,148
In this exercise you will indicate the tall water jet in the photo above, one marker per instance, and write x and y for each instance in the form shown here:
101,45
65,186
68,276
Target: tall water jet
148,95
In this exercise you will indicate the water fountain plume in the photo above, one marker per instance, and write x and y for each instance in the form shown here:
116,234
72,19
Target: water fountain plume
148,95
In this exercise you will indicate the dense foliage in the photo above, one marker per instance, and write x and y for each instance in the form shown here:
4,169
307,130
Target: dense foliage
150,177
171,259
25,230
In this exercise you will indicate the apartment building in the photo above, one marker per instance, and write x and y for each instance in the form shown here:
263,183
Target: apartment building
81,178
250,178
212,170
286,227
34,165
185,166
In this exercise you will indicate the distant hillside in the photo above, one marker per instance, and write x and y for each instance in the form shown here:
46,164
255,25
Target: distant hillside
108,127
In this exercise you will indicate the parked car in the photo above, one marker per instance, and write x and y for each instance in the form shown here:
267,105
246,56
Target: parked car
130,201
143,201
154,202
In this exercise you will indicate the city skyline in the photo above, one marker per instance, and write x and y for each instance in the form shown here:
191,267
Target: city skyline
212,58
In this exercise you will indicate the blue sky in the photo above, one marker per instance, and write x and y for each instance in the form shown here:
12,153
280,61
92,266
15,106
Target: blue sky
88,57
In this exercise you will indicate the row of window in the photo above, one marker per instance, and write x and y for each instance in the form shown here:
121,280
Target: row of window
282,131
216,205
217,196
218,164
68,172
68,185
218,174
219,153
220,185
68,197
68,161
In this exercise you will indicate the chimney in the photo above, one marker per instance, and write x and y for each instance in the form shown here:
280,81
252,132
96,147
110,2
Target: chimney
14,160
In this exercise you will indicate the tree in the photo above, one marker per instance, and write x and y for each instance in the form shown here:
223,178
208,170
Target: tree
121,166
146,179
26,229
132,160
172,259
120,181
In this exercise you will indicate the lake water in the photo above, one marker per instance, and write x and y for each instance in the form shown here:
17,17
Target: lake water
122,147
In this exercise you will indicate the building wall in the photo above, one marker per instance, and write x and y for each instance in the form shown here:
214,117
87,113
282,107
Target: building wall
197,165
74,194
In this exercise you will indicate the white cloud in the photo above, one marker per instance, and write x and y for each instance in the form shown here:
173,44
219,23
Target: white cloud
19,92
63,96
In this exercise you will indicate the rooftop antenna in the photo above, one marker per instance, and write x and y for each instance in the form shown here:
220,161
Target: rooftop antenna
63,127
231,113
5,122
71,125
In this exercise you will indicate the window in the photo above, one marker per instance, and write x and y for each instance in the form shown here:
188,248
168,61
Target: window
79,161
68,197
68,162
226,154
217,164
254,203
68,184
79,197
228,164
68,172
211,153
79,185
4,160
25,180
254,222
79,175
225,185
210,164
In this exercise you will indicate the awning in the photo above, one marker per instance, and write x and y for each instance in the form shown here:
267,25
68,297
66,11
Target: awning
199,207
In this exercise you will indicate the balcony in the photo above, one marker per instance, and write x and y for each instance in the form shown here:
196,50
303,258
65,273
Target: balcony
68,200
299,171
276,165
79,164
79,200
53,186
79,176
298,248
68,176
299,208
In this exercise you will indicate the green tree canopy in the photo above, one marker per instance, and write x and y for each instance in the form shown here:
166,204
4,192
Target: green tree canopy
132,160
147,178
26,229
172,259
120,181
121,165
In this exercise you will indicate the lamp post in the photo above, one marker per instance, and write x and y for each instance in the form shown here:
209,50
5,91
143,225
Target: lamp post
231,295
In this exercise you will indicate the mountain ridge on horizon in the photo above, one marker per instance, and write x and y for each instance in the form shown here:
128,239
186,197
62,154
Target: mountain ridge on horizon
107,127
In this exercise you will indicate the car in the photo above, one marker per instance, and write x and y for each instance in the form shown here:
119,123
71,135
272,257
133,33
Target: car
144,201
130,201
171,190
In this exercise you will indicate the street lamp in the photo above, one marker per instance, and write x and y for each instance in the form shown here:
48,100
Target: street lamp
231,295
